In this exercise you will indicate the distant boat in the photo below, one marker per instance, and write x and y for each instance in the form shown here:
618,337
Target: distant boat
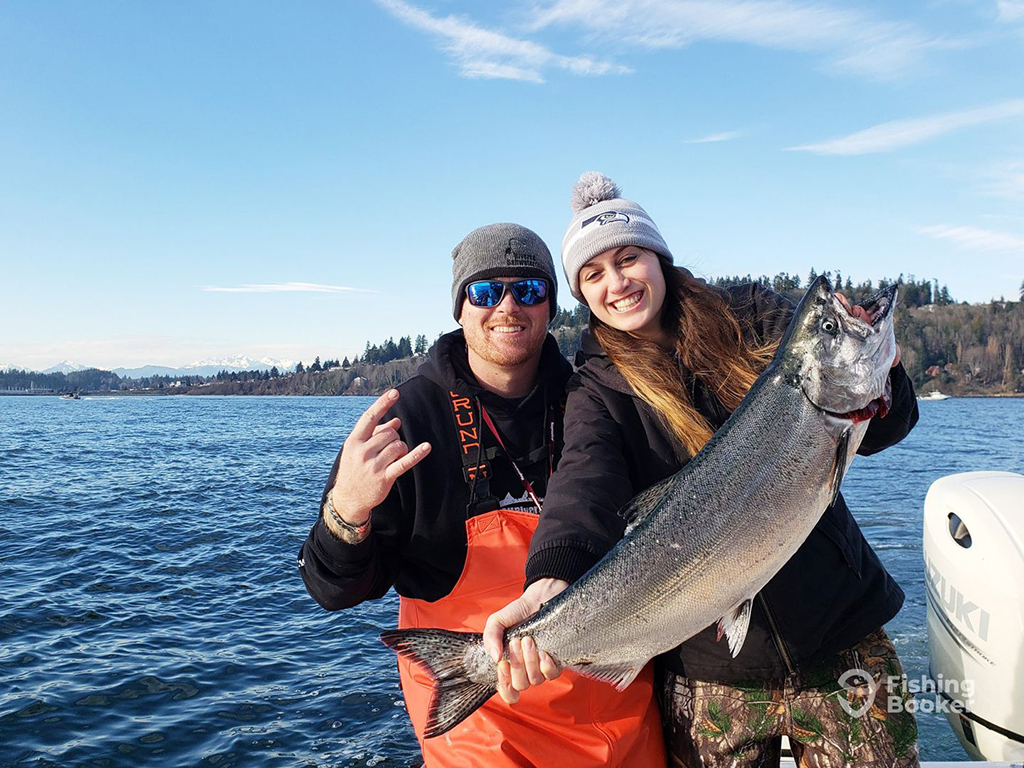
936,395
70,396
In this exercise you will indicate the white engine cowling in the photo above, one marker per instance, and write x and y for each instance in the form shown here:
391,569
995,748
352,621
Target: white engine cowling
974,574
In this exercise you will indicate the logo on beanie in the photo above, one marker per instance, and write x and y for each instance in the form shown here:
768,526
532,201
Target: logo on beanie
515,255
606,218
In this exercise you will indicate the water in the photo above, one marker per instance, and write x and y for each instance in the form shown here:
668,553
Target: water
151,612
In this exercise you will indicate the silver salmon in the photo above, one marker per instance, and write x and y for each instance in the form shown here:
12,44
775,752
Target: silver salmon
701,544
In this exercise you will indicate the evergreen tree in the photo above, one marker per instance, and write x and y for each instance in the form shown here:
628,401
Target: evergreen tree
421,342
299,367
315,367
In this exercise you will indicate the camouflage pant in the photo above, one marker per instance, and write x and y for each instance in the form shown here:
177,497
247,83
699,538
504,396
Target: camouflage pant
711,725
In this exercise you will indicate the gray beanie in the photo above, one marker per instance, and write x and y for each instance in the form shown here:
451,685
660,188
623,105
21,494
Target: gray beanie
603,220
501,250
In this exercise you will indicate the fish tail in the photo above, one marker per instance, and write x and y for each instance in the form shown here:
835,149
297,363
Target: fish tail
459,690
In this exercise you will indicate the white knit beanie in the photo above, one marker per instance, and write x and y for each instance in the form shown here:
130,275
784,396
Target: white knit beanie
602,220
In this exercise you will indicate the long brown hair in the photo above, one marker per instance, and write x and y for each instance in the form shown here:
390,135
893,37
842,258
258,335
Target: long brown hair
709,344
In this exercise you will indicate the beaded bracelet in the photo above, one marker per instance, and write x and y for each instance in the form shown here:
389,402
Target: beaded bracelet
350,534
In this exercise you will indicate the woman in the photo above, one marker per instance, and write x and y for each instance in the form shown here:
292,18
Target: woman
667,359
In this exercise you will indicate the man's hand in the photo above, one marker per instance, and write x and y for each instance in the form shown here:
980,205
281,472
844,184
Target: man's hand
862,314
374,457
525,665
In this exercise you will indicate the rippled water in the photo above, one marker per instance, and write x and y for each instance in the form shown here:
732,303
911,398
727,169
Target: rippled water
151,611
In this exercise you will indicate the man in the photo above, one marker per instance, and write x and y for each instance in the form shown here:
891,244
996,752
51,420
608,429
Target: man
436,492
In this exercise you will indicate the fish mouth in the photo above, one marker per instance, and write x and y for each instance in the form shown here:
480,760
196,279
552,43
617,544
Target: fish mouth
878,407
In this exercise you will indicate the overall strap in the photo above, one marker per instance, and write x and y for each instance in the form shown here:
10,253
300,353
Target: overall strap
476,461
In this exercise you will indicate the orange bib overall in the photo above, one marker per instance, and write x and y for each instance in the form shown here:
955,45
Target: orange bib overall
570,722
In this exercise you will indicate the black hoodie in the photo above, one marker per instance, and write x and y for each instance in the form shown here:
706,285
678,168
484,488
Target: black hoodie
833,591
417,541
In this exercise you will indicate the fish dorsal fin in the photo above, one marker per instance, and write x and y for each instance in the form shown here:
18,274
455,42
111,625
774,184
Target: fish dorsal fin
643,504
839,464
734,625
619,675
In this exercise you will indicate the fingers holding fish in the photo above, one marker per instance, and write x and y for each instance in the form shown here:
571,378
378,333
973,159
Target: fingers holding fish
549,667
520,609
506,690
539,665
525,665
520,676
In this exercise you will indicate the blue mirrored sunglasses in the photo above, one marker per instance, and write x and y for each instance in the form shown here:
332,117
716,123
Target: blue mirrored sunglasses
489,293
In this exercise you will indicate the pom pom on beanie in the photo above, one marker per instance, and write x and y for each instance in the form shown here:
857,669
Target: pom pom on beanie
593,188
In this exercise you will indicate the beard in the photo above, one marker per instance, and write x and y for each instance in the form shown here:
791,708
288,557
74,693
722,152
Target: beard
491,347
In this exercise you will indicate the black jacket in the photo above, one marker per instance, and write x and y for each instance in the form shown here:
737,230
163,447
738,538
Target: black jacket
418,538
826,598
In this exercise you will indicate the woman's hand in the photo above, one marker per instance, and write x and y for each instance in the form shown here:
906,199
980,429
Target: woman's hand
526,665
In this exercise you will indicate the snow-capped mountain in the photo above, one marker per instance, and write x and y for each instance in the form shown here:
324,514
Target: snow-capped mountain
241,363
208,367
198,368
65,366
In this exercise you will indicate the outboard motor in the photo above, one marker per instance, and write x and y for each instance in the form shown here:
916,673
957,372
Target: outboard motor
974,574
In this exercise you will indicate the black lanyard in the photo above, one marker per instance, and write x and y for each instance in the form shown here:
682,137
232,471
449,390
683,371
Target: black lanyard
549,430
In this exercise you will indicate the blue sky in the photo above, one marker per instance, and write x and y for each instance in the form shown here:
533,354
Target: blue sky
191,180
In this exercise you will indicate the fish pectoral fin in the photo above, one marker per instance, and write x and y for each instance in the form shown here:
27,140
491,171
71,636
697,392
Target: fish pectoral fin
642,505
734,625
619,675
839,464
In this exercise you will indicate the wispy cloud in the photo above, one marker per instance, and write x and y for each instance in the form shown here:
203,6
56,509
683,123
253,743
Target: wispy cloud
974,238
903,133
1006,180
852,41
715,137
1010,11
285,288
484,53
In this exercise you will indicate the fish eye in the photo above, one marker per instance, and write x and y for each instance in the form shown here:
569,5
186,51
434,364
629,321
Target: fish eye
830,326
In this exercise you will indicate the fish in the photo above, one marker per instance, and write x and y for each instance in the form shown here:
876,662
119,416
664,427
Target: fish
701,544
